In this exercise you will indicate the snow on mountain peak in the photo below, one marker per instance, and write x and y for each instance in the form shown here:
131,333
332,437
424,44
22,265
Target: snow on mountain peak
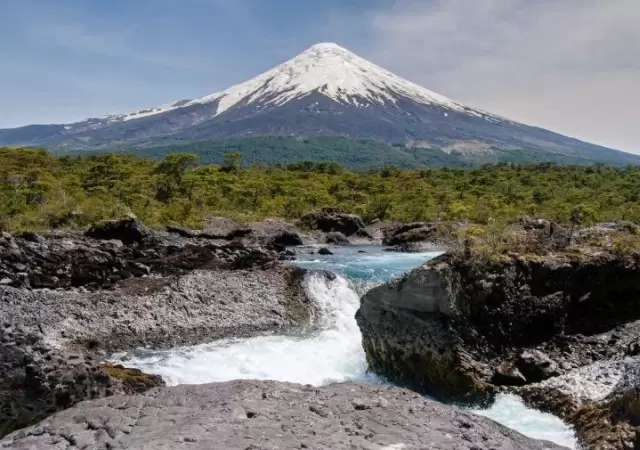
327,46
330,70
325,68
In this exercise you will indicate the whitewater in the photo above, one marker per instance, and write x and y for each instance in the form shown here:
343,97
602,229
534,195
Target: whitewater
331,355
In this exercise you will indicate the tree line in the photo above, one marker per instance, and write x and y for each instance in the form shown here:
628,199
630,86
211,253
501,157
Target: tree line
41,191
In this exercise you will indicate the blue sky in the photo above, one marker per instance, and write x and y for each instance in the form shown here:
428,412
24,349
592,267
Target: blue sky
568,65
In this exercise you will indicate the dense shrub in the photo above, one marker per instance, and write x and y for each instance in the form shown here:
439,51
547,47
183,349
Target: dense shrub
39,191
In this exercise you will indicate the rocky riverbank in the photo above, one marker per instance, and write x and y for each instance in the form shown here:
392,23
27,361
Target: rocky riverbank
555,327
69,300
261,414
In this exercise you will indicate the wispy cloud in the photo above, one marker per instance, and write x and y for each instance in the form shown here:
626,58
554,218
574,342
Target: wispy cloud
80,34
571,65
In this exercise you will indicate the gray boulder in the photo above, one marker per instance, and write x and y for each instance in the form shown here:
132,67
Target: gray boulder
272,233
408,233
536,365
269,415
336,238
163,312
52,342
332,219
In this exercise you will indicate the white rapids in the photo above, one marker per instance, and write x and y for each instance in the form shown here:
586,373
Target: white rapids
332,354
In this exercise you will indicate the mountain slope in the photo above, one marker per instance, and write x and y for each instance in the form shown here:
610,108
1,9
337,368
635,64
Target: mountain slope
324,91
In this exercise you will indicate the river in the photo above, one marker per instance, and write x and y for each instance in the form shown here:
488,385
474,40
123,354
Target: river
333,354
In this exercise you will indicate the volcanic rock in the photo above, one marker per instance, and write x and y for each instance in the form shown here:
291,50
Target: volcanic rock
409,233
240,415
332,219
446,327
129,231
67,301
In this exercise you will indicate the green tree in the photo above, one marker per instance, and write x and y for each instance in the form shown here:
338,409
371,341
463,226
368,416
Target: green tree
232,161
171,172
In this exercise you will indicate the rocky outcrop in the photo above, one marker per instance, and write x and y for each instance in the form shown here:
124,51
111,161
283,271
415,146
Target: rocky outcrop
409,233
613,423
601,400
262,414
71,261
331,219
53,341
66,302
460,328
128,231
336,238
192,308
269,233
39,376
322,227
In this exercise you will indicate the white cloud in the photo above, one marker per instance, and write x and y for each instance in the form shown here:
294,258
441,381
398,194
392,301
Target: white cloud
569,65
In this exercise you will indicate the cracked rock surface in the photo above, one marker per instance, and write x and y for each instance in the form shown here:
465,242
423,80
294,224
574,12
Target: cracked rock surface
269,415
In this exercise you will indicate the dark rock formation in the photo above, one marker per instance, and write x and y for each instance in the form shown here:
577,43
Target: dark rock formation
331,219
325,251
336,238
546,234
219,226
613,423
68,261
194,234
508,375
286,239
408,233
128,231
274,234
260,414
455,327
103,296
536,366
38,377
133,380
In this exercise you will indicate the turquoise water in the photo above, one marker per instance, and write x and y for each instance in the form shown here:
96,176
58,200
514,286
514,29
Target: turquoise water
364,265
332,354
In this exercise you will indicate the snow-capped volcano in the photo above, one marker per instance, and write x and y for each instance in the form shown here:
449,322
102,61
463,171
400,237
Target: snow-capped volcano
326,69
324,91
329,70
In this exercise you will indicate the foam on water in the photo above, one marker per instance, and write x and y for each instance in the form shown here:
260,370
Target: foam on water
509,410
332,354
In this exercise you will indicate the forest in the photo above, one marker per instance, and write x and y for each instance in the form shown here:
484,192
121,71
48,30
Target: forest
353,154
42,191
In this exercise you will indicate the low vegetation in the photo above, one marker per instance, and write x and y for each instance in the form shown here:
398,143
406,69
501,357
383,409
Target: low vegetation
41,191
500,241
